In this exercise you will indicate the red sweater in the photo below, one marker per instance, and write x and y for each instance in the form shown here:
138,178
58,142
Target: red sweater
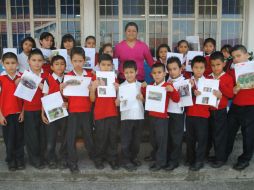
208,68
170,95
9,103
226,85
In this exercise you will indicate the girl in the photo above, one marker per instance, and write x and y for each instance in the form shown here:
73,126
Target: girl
90,42
209,48
161,55
105,49
226,49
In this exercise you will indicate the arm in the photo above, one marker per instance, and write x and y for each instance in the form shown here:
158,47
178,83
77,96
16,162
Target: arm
2,119
173,93
227,88
92,90
148,56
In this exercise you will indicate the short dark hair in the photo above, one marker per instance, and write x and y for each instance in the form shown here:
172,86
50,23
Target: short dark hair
210,40
183,41
242,48
217,55
226,47
157,65
8,55
30,39
78,51
198,59
90,37
35,51
174,60
45,35
130,64
67,38
56,58
105,57
162,46
131,24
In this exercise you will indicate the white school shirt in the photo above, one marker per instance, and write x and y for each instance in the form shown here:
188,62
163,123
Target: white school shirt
173,107
23,62
135,113
69,66
45,89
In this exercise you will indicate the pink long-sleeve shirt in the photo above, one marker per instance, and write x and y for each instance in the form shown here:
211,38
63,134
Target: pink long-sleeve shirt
138,53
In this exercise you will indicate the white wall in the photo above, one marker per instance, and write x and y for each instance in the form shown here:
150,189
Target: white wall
250,26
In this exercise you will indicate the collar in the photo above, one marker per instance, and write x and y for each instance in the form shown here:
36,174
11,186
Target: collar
218,76
56,77
180,78
12,78
196,82
83,74
159,84
30,70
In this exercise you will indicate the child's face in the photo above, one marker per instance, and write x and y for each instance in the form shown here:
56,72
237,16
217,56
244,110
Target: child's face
183,48
78,61
68,44
106,65
225,53
209,48
10,65
174,70
35,62
198,69
239,56
90,43
46,42
58,67
108,50
163,53
130,74
158,74
217,66
27,47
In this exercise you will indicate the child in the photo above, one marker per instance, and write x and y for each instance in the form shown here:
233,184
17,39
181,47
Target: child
105,49
131,121
11,114
241,114
79,113
47,43
161,55
106,120
68,42
197,120
183,48
218,116
52,85
226,50
90,42
158,122
35,139
209,48
26,46
176,119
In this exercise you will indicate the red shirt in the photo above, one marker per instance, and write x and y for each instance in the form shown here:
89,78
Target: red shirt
9,103
79,103
170,95
226,85
104,106
208,68
54,84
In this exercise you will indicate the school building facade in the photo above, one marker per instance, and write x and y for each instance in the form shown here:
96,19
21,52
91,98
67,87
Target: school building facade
159,21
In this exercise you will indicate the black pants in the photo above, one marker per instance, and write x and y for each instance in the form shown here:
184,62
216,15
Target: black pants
196,131
78,121
53,129
241,116
35,137
106,131
158,128
218,133
13,134
175,137
131,131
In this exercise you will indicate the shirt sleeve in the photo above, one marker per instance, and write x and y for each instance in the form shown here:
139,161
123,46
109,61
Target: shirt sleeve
148,56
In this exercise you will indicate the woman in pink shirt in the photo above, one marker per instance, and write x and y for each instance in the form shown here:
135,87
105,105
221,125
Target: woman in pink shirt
133,49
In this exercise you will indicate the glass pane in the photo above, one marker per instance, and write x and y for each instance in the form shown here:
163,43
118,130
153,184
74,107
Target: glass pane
232,8
2,8
207,8
231,32
70,8
183,8
3,36
207,29
158,8
109,32
72,28
19,9
20,30
44,8
141,29
133,8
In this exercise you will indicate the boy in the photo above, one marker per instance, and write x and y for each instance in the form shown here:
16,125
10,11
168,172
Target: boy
106,120
131,121
52,85
176,119
241,114
11,114
158,122
197,120
218,116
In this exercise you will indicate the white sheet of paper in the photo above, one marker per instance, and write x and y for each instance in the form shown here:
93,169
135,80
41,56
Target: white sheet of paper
115,63
155,98
90,58
46,53
108,77
244,74
62,52
206,88
193,42
13,50
53,106
179,55
190,55
28,86
76,85
184,89
128,96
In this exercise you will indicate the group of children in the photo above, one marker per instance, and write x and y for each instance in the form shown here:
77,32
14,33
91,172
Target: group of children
25,123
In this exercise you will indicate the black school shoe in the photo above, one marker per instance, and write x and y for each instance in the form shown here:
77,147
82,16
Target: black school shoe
74,168
136,162
99,165
217,164
154,167
240,166
171,166
52,165
149,159
129,166
20,165
12,166
196,166
114,165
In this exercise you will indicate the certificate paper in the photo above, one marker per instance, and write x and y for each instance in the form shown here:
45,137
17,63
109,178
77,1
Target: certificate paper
189,57
155,98
206,88
90,58
184,90
28,86
62,52
53,106
193,42
115,63
108,80
76,85
128,96
13,50
178,55
244,74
